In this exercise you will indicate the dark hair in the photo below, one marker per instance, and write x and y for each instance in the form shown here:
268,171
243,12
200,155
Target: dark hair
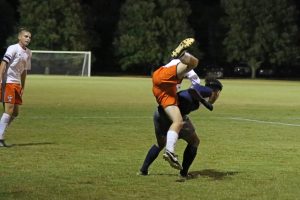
213,83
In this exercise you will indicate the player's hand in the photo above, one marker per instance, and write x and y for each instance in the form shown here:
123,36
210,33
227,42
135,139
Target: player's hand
22,91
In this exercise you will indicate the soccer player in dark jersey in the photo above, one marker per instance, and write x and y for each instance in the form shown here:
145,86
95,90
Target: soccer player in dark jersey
187,104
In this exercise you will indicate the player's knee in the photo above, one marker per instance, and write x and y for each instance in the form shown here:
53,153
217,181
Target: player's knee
178,124
194,62
9,110
190,61
161,142
195,142
160,146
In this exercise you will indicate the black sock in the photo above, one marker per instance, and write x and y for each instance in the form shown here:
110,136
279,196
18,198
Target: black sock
189,155
150,157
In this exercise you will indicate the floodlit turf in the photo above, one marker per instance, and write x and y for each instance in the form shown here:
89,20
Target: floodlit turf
86,138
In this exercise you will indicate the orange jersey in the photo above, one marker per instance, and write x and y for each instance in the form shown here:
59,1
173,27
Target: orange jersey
164,87
12,93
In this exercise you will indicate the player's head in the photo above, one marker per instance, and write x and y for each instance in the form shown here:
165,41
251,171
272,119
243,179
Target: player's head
214,84
24,37
216,87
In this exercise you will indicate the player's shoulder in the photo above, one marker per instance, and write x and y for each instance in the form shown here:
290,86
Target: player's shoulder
11,50
12,47
203,90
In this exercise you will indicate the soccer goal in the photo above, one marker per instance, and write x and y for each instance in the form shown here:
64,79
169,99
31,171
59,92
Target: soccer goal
76,63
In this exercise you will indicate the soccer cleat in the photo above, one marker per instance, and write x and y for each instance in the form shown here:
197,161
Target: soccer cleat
185,177
184,44
172,159
3,144
183,174
142,173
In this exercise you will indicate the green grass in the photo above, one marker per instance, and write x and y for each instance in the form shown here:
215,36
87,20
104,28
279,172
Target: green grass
85,138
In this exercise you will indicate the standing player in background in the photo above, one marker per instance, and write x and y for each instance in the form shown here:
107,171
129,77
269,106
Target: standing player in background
187,104
165,80
13,71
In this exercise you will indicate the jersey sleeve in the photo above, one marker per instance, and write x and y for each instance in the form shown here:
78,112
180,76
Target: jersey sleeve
9,54
193,77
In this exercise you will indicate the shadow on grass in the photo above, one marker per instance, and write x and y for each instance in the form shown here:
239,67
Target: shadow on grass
210,173
32,144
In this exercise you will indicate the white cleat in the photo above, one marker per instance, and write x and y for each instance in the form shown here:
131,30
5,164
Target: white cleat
172,159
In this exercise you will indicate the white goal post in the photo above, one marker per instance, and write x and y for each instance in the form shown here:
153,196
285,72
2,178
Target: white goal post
76,63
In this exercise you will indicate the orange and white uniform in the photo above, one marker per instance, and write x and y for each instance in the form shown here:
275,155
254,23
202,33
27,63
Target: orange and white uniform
166,83
18,60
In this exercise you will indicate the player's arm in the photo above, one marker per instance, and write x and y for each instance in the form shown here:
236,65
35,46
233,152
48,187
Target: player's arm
193,77
2,69
23,79
9,54
199,93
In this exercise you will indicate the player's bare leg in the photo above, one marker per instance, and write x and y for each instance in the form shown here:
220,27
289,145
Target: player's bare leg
174,114
14,114
5,119
188,61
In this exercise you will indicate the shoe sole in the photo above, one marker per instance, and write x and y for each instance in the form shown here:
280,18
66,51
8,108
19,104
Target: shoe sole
170,161
186,43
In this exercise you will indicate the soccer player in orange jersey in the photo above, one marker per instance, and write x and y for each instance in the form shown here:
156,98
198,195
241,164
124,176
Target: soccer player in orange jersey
13,71
165,80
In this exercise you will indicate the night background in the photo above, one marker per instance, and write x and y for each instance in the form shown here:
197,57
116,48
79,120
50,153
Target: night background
105,28
86,138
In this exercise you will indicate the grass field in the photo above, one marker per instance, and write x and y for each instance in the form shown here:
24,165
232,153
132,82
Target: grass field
86,138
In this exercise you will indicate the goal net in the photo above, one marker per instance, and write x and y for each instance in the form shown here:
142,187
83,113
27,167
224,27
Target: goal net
76,63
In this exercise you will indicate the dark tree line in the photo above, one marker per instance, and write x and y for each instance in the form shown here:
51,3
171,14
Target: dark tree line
135,35
8,19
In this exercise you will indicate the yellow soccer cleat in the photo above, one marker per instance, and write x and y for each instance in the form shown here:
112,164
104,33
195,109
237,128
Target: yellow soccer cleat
184,44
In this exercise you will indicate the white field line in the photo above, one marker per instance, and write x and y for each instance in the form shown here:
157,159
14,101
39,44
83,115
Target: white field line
88,117
150,117
294,118
262,122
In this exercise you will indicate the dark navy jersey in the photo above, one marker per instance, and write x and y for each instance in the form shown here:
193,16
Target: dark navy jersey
203,90
186,102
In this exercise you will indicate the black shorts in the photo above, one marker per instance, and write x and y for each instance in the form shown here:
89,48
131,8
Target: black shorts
162,125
